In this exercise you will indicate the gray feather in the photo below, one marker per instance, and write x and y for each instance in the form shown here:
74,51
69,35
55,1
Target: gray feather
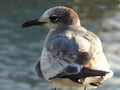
65,51
38,70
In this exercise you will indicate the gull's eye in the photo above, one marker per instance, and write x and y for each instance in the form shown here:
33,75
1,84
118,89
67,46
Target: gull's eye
53,18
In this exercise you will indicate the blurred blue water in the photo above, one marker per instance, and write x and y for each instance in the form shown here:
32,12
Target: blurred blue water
20,49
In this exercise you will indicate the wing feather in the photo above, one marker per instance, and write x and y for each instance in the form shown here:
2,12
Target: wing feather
67,51
72,50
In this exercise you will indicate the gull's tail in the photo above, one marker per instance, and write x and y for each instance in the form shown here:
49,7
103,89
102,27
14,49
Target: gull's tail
85,72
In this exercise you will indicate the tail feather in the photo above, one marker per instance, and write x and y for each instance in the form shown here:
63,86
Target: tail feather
90,73
85,72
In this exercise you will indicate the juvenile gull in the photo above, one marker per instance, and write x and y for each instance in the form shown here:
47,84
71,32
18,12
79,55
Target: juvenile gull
72,57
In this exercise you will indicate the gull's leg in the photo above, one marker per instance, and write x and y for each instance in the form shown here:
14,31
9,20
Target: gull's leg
61,89
85,88
54,88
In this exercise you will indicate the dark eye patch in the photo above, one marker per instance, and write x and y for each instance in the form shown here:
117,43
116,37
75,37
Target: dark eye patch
53,18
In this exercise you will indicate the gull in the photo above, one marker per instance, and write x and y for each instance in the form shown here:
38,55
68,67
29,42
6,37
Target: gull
72,57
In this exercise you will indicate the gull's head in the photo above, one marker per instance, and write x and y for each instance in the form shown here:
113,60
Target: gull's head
55,17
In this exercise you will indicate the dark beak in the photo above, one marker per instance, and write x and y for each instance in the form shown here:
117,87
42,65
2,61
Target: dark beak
34,22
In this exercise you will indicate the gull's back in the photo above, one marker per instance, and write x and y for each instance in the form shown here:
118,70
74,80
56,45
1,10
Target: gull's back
74,47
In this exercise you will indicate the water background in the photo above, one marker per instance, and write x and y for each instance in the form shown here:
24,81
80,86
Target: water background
21,48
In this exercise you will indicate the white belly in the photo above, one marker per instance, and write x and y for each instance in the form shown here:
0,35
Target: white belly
67,83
